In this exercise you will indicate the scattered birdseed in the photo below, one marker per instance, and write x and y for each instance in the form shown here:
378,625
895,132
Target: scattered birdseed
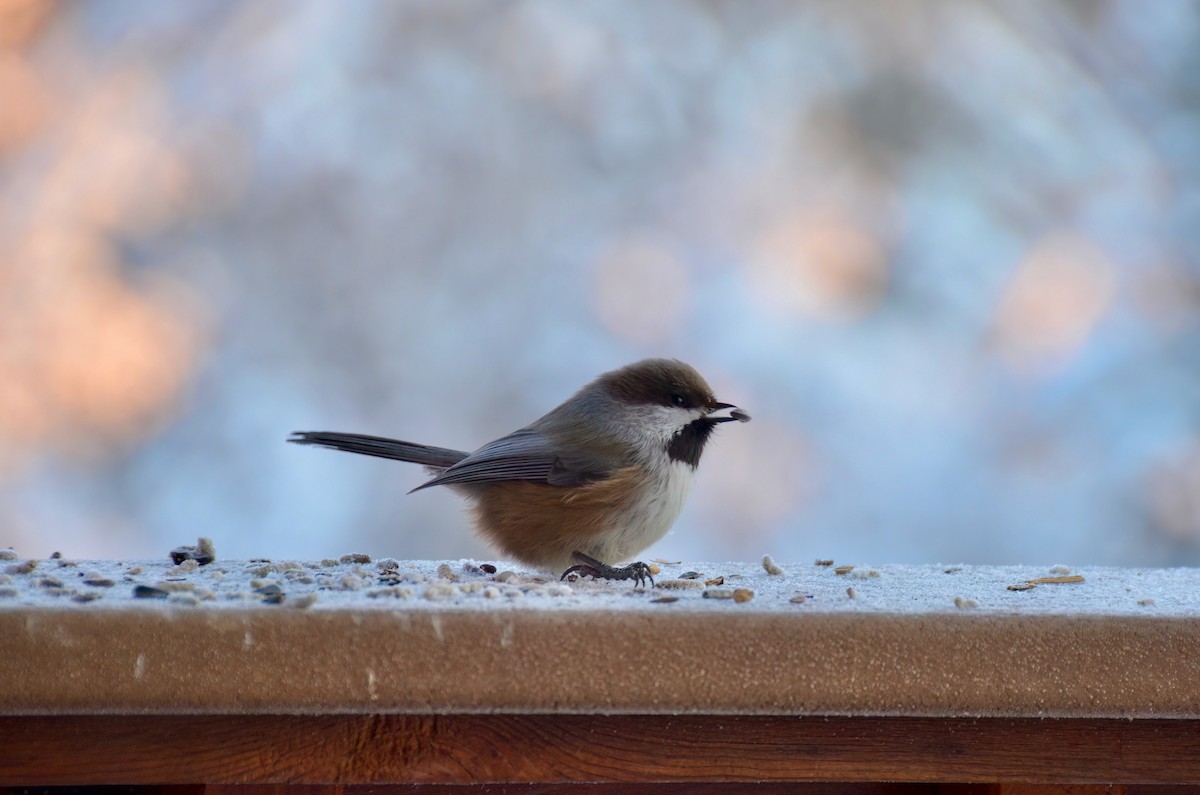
8,553
395,593
439,590
691,575
475,586
487,568
953,569
771,567
271,594
506,576
1022,586
391,578
174,586
190,600
963,603
864,574
1060,569
823,562
654,569
1056,580
350,582
355,557
718,580
742,595
259,571
49,582
491,592
843,570
446,573
22,568
7,591
680,585
851,593
85,596
285,566
304,601
55,555
203,553
327,562
1147,602
185,567
666,562
148,592
664,600
799,599
63,563
98,579
718,593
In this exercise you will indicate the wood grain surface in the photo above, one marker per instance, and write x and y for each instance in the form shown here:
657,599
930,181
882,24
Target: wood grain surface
554,749
228,661
691,788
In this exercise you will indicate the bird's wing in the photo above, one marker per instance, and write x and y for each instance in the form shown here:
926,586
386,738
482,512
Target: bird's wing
523,455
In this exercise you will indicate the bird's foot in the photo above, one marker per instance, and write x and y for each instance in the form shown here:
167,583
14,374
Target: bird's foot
638,572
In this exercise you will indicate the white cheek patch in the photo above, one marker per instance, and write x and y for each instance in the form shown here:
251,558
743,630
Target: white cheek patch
661,423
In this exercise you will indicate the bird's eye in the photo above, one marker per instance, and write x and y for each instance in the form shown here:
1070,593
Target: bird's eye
678,400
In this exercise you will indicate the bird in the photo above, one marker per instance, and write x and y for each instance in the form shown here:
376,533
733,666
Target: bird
592,483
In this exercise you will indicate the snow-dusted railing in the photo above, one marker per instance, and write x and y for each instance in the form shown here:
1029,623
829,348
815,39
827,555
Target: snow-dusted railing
358,671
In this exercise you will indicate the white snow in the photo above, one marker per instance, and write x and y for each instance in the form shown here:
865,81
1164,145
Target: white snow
431,585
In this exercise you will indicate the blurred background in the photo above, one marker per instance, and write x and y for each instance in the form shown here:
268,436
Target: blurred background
946,254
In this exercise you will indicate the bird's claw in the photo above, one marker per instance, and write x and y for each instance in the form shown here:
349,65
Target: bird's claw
638,572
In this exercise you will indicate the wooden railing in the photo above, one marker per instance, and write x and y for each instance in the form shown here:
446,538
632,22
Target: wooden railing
1095,685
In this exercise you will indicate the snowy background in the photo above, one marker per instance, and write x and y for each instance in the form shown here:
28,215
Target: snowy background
946,254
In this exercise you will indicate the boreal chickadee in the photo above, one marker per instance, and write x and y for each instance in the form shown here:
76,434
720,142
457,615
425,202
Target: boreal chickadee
594,482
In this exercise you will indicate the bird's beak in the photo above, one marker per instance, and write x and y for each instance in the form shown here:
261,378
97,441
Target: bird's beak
727,412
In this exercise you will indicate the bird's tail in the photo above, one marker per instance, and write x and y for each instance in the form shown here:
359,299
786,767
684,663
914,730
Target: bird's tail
436,458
